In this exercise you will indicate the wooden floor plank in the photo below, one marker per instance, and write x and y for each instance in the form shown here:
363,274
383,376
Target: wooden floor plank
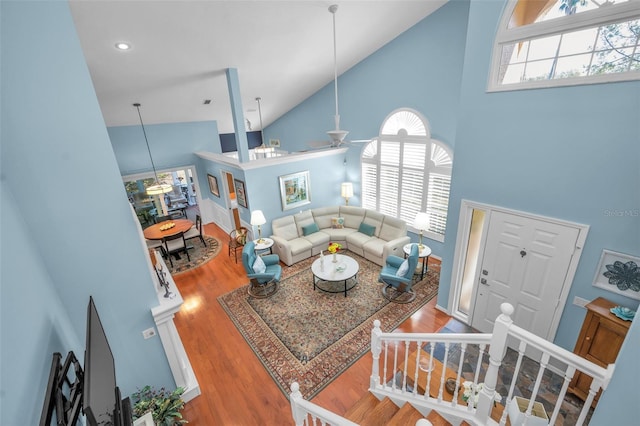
236,388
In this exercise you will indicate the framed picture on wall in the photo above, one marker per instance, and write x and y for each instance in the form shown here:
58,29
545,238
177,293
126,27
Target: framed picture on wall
241,194
618,273
294,190
213,185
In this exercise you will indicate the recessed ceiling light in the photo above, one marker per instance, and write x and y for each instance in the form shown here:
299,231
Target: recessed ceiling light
123,46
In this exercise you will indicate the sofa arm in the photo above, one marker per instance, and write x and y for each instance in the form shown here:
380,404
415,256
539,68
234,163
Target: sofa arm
282,248
394,247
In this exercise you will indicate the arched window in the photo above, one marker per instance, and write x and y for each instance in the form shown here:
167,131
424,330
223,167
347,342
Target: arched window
545,43
404,172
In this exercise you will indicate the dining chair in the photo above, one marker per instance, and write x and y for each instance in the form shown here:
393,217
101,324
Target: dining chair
196,231
158,219
174,245
237,239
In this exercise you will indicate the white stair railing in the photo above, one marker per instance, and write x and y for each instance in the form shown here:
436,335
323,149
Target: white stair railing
414,368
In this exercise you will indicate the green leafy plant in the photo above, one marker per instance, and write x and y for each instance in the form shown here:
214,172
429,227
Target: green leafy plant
165,406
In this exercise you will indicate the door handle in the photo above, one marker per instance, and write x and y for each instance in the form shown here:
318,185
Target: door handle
485,272
483,281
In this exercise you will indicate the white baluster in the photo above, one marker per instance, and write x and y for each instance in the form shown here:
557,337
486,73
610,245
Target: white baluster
544,361
463,350
417,367
406,363
444,369
299,415
568,375
375,352
496,352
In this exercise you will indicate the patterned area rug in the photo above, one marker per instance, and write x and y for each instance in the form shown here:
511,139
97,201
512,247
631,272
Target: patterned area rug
311,336
199,255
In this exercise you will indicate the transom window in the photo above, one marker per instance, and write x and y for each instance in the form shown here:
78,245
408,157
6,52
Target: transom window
404,172
543,43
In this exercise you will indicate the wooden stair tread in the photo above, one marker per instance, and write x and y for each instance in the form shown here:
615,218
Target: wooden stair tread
380,414
407,415
360,409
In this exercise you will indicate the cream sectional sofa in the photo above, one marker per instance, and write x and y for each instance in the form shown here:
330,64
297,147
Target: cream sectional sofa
367,233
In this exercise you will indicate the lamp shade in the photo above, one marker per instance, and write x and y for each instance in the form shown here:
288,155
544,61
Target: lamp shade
347,190
257,218
421,221
159,188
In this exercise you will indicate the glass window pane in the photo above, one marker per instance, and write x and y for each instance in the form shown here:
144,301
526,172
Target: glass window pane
543,48
578,42
572,66
539,70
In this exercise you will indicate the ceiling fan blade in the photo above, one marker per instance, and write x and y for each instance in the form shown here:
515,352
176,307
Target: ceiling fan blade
319,144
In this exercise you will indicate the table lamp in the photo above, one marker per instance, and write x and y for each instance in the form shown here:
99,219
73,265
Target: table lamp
421,222
346,191
257,219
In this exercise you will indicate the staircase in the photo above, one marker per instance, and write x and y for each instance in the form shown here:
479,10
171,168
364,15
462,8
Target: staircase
414,368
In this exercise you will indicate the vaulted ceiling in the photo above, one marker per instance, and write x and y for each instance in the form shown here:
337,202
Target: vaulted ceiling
283,51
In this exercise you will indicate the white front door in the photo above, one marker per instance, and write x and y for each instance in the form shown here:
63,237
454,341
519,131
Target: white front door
525,263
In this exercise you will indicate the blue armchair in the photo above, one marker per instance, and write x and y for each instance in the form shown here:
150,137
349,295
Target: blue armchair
397,286
263,284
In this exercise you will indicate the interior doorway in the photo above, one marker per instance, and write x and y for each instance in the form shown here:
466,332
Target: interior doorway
232,201
509,256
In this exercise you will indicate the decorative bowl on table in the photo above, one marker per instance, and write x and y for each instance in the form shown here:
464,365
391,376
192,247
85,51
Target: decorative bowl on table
167,226
623,313
341,267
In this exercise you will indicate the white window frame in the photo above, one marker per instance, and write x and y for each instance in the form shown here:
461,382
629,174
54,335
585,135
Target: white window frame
579,21
429,168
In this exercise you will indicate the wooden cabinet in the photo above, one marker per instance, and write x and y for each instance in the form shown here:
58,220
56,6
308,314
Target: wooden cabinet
600,340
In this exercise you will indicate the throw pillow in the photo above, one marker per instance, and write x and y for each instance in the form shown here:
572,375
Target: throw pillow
310,229
258,266
367,229
337,222
241,236
403,269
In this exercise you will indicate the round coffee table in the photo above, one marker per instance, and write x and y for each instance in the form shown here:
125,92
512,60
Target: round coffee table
327,274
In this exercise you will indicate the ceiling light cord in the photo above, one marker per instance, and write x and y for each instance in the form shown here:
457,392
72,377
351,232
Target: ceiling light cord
153,166
333,10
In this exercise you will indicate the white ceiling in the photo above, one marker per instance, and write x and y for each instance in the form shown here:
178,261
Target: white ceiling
283,51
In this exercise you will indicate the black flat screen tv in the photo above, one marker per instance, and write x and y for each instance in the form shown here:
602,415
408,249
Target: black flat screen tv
101,401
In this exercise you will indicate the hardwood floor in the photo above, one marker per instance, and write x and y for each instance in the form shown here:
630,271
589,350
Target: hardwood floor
236,389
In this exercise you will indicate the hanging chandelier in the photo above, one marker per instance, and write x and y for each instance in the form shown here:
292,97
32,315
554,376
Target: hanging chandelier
156,188
337,136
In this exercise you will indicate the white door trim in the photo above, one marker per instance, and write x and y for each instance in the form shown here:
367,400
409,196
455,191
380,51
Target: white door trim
459,258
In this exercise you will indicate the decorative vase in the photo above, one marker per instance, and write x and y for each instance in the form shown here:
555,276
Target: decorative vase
335,258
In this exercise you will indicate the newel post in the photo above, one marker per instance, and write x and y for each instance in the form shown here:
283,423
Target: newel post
375,352
295,396
496,353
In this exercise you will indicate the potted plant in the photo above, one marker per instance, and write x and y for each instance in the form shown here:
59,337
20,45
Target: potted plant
164,406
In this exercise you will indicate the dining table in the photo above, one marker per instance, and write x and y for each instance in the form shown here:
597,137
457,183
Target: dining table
154,232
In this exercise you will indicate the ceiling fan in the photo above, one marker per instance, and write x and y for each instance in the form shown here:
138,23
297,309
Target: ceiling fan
336,136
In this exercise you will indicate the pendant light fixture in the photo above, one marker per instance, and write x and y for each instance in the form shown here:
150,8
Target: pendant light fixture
156,188
337,136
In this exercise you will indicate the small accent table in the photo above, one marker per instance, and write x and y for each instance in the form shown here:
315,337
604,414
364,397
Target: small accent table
327,273
265,244
423,254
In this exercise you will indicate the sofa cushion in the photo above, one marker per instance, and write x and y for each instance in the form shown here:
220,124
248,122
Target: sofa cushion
322,216
299,245
318,240
310,229
303,219
285,228
337,222
367,229
352,215
339,234
392,228
357,239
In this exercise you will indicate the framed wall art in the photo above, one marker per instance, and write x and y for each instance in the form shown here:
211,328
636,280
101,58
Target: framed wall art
241,193
213,185
618,273
294,190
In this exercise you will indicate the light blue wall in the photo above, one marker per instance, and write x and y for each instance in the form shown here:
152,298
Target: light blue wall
416,70
172,145
570,153
79,236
